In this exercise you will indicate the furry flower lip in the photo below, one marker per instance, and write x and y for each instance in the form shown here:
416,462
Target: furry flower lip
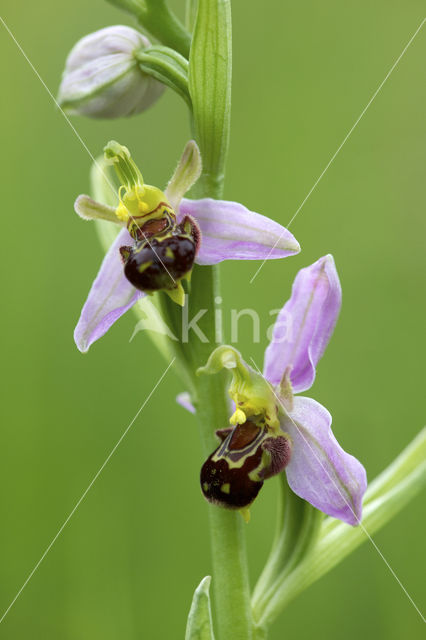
234,473
158,263
162,235
274,430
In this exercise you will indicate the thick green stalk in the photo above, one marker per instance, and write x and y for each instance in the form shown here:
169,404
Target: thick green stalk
210,90
230,572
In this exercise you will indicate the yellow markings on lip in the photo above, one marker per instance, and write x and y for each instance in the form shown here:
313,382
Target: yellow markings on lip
226,488
169,253
205,486
143,267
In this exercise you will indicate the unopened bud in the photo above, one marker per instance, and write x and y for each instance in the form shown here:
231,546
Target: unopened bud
102,78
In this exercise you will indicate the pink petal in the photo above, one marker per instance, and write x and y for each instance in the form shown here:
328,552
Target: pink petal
232,232
304,325
320,471
111,295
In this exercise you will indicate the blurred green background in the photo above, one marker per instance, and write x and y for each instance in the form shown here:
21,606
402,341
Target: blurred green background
128,561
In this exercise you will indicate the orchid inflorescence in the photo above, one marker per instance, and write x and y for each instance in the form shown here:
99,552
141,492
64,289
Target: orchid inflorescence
253,425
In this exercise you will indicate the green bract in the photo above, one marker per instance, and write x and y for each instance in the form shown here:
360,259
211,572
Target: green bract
200,624
210,64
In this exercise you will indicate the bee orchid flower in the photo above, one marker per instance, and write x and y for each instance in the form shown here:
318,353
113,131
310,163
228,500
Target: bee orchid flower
163,234
274,430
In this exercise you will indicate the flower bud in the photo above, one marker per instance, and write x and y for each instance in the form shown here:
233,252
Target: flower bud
102,78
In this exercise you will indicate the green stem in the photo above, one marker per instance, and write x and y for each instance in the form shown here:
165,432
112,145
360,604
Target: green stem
232,596
156,18
210,90
230,572
162,23
210,83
